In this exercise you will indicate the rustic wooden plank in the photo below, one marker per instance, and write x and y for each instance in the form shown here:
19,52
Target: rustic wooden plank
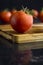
35,28
23,38
5,35
33,42
32,39
30,36
6,27
31,45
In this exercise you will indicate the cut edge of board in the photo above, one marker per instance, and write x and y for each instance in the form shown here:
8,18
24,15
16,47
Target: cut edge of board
24,38
27,37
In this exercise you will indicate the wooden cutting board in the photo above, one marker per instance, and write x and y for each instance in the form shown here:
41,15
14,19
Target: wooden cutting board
35,28
34,35
32,39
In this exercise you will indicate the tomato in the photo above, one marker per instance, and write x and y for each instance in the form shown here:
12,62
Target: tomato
5,16
0,15
13,11
21,22
41,15
35,13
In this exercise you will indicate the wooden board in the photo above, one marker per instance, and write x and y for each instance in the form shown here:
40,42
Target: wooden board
22,38
34,35
32,39
35,28
6,27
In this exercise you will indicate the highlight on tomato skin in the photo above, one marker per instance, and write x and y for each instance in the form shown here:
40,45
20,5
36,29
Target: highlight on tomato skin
5,16
21,22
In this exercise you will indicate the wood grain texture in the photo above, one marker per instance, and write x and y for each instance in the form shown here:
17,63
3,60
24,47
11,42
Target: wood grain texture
35,28
34,35
32,39
6,27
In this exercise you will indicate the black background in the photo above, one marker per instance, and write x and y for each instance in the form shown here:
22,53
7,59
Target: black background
35,4
10,4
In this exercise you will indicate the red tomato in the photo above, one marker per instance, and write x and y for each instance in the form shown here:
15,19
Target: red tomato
5,16
41,15
13,11
0,15
21,22
35,13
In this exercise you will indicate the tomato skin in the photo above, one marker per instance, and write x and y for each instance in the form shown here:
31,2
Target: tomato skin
21,22
35,13
5,16
41,16
0,15
13,11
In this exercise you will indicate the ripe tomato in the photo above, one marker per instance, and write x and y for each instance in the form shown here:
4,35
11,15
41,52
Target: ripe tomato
5,16
41,15
13,11
35,13
0,15
21,22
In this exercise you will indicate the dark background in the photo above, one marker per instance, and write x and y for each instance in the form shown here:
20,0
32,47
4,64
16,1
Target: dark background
36,4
